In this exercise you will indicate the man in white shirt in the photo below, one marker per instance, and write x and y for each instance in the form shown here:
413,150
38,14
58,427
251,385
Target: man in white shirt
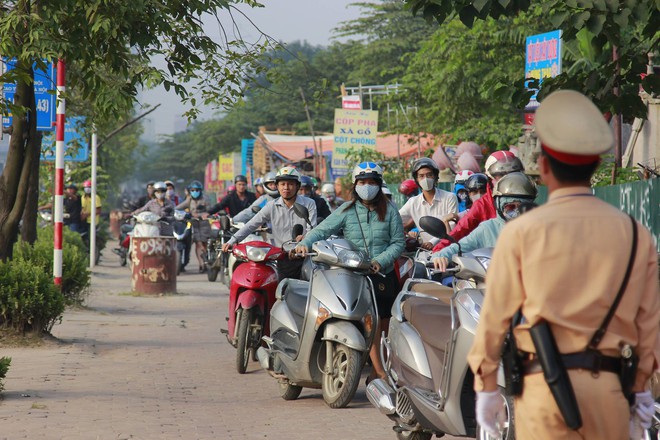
432,201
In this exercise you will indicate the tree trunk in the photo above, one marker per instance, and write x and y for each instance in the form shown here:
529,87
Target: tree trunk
14,181
30,216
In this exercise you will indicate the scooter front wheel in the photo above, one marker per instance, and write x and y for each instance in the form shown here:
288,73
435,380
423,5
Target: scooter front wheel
340,383
244,344
289,392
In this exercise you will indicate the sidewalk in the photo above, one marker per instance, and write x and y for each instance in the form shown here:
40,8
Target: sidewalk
130,367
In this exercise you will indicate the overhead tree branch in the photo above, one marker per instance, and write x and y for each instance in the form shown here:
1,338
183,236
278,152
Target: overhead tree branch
131,122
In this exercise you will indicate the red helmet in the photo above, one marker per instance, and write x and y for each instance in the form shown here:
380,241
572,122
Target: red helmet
408,187
87,184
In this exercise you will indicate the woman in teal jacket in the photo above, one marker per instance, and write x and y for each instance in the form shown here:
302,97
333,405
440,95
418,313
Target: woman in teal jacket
373,224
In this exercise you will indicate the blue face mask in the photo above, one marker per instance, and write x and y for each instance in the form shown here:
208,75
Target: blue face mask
195,194
367,192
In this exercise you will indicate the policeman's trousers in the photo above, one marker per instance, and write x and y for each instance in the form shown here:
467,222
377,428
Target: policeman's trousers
605,412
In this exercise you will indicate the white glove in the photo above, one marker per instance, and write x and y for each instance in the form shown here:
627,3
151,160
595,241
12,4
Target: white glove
641,414
491,412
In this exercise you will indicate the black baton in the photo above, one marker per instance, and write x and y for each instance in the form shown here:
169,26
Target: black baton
555,374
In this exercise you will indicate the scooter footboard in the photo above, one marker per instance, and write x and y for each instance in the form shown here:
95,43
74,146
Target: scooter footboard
346,334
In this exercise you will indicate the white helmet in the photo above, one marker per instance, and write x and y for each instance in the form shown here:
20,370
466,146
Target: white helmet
328,189
367,170
288,173
463,176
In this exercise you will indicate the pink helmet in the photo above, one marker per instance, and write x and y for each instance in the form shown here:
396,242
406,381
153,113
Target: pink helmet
87,184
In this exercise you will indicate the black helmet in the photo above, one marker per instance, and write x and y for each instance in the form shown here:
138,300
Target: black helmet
476,182
240,178
306,182
424,162
196,184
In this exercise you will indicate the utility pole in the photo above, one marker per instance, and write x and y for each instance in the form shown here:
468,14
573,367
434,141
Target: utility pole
311,128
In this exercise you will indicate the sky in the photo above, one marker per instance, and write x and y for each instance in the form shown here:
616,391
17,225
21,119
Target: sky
283,20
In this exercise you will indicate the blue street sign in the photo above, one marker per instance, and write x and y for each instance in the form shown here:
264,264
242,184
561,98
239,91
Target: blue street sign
77,147
46,102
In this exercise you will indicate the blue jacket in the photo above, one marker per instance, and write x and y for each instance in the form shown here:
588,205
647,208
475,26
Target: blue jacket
462,205
384,239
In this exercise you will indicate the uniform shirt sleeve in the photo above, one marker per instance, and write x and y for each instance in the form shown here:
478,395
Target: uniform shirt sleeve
397,240
260,218
504,296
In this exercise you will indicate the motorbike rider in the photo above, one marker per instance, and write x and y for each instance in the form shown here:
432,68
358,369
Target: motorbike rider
432,201
328,193
197,205
280,214
235,201
512,191
498,164
145,198
307,190
171,192
270,194
372,223
258,186
160,205
461,192
86,206
476,186
408,188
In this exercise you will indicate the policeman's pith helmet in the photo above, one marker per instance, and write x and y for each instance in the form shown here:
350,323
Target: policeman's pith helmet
571,128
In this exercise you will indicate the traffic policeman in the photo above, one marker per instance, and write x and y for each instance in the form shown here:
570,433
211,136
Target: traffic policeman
563,264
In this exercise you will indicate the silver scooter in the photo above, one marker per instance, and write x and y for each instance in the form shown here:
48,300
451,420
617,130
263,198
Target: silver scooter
321,327
429,386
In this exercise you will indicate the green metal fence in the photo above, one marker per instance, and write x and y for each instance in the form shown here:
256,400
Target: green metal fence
640,199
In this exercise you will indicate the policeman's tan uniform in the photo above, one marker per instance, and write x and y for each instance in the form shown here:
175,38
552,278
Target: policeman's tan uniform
564,262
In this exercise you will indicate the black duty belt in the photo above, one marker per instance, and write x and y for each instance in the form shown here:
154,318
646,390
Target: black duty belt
585,360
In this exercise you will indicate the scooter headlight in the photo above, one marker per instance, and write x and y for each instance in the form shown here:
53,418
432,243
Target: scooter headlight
469,304
256,253
349,258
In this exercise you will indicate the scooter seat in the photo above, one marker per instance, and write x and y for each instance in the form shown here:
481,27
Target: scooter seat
431,318
295,295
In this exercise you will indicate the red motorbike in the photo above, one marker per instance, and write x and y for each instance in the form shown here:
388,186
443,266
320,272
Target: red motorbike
251,295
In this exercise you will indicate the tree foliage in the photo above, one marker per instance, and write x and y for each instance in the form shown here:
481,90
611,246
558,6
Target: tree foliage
630,26
110,44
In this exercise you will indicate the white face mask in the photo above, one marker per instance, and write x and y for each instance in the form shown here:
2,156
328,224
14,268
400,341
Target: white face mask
427,184
88,190
160,195
475,197
170,192
367,192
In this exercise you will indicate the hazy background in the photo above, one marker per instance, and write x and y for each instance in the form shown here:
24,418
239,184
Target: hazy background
283,20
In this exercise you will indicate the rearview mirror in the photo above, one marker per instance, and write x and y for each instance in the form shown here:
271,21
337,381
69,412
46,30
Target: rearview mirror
433,226
302,212
224,223
256,209
297,230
